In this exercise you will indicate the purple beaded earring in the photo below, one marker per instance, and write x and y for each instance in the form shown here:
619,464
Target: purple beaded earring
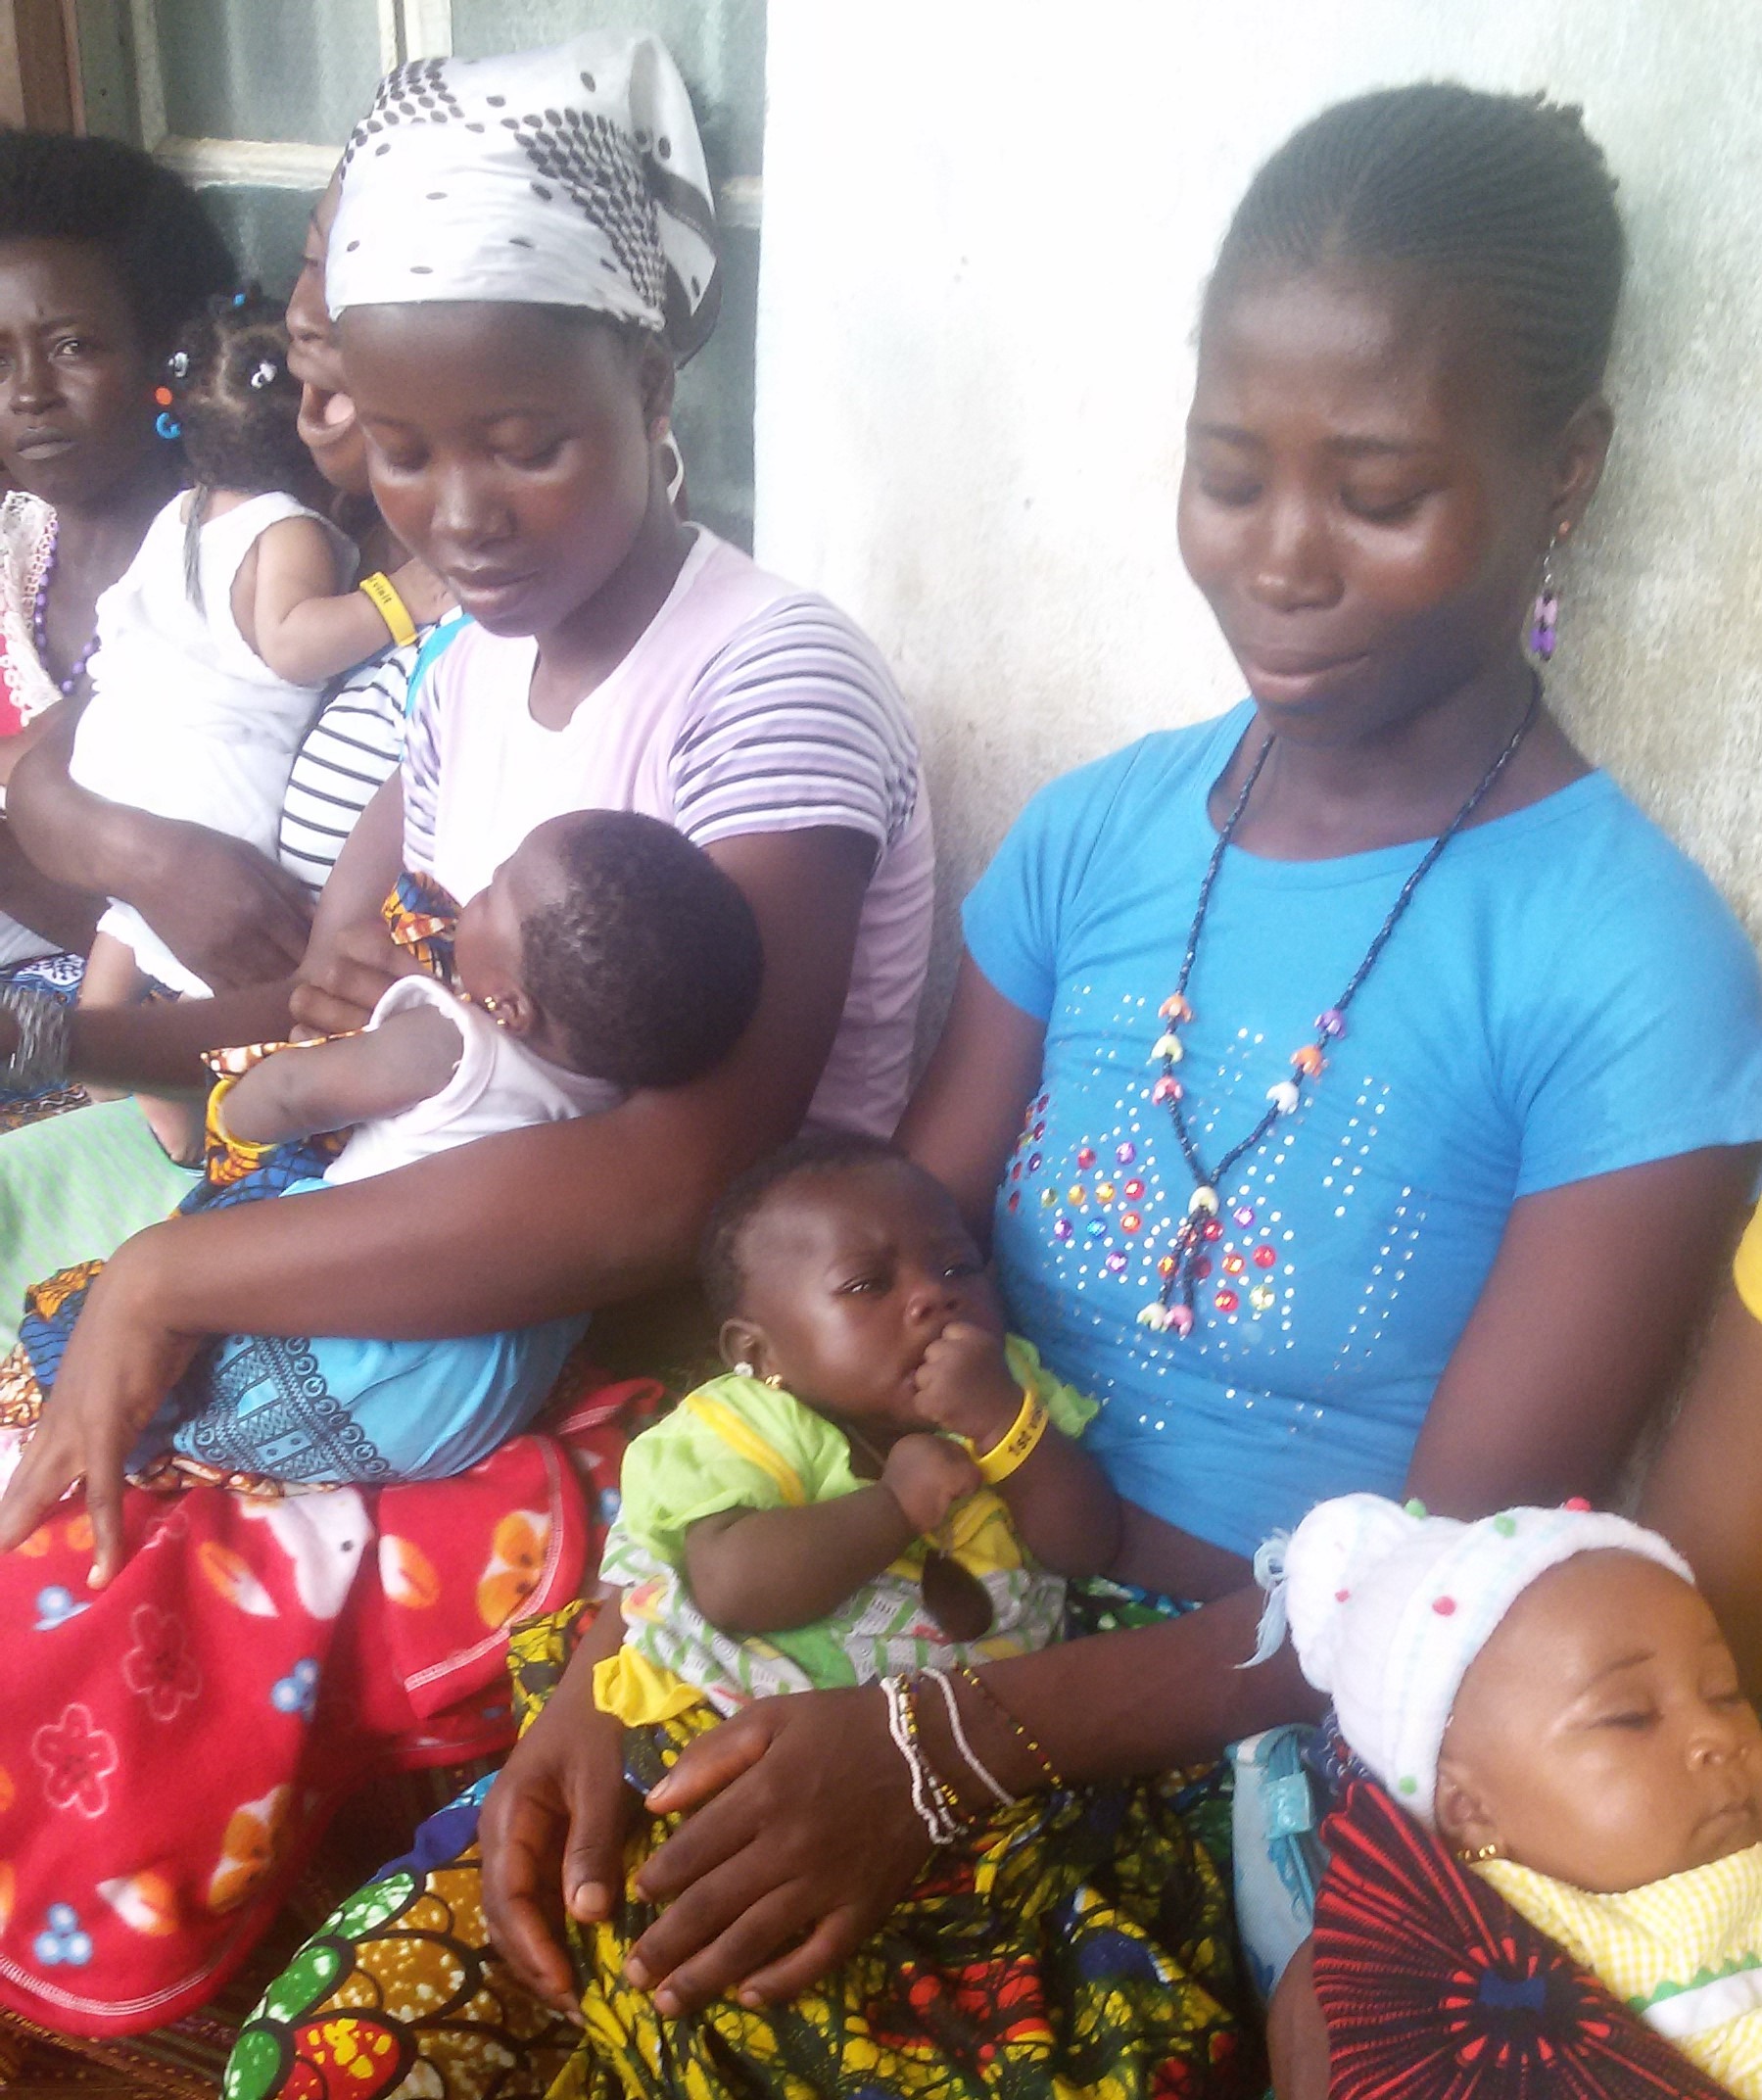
1546,619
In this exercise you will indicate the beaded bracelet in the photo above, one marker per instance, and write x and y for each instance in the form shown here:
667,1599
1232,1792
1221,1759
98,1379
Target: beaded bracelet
994,1787
938,1809
1015,1727
1016,1445
381,593
41,1055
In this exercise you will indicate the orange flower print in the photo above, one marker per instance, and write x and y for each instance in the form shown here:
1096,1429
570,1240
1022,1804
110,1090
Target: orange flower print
76,1759
406,1574
518,1547
249,1849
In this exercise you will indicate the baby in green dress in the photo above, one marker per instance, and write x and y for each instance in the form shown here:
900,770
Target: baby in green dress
883,1483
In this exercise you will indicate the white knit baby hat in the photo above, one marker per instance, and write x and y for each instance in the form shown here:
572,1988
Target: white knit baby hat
1388,1607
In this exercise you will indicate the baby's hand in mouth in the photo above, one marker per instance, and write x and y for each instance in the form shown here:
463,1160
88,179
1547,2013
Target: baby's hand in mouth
964,1384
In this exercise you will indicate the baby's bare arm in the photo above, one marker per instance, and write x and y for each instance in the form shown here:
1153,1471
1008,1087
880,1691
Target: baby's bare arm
299,620
762,1571
1064,1509
332,1085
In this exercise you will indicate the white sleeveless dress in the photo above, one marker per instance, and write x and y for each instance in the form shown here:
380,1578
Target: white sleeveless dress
185,719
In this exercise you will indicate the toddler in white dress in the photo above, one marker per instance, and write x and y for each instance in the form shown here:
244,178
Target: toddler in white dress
214,643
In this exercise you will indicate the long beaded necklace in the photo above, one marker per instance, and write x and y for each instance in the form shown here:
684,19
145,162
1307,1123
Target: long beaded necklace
1172,1310
39,618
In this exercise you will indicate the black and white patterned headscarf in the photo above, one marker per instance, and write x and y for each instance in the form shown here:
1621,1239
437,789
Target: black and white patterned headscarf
569,178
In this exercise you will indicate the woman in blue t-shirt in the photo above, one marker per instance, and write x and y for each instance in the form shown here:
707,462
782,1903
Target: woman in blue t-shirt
1360,1089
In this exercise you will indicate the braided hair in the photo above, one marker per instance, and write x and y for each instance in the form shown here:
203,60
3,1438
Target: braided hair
1505,198
236,407
148,222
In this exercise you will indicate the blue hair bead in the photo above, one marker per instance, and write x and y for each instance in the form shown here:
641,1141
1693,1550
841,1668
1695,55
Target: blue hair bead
167,426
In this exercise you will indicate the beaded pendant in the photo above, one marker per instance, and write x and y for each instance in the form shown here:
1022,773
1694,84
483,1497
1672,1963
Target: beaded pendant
1172,1311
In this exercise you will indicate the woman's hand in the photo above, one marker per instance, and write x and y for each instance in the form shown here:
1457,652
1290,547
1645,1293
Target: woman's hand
802,1837
226,911
348,969
119,1366
553,1829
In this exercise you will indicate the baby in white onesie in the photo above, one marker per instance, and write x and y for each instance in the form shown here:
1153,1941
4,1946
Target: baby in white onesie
607,954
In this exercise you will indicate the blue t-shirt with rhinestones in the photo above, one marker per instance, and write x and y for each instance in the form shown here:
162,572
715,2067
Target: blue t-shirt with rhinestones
1567,995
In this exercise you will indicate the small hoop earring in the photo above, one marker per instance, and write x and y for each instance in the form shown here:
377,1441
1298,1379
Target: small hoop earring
1475,1856
743,1369
774,1382
1544,620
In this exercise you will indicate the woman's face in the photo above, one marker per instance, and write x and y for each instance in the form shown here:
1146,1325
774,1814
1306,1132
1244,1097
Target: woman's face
1359,504
327,421
77,380
509,447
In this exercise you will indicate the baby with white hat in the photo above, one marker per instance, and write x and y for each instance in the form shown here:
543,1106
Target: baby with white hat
1548,1692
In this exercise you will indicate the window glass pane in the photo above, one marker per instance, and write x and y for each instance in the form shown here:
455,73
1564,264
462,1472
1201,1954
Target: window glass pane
288,70
265,229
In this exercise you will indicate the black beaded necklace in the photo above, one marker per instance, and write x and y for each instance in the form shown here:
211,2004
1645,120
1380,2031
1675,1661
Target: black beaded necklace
1172,1310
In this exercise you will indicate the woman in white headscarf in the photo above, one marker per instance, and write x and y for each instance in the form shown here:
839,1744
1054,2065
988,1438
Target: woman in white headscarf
521,252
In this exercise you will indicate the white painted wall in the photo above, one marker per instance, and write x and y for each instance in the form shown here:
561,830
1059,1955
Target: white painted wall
987,224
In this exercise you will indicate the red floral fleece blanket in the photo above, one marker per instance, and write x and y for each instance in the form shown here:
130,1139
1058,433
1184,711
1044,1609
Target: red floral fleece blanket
171,1748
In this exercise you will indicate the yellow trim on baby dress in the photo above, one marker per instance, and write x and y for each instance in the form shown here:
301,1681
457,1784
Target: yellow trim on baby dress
743,1438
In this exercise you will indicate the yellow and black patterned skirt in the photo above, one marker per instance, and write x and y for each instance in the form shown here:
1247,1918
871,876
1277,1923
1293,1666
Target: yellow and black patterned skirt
1080,1946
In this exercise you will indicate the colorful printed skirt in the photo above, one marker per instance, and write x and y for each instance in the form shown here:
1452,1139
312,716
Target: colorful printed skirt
1080,1946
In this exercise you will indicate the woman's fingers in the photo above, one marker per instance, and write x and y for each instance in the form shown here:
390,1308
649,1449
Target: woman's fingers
705,1766
104,1487
518,1832
339,986
834,1939
755,1936
594,1857
743,1906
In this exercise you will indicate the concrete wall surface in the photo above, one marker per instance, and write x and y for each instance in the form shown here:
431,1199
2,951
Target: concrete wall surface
986,225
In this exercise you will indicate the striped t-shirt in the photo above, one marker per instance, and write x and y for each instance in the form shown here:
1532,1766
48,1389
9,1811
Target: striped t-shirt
745,706
348,755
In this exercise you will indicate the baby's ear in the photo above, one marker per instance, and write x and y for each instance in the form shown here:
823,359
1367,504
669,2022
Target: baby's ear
742,1347
1465,1821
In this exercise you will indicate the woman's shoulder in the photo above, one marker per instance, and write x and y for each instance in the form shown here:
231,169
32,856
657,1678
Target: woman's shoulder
748,621
1590,865
1155,787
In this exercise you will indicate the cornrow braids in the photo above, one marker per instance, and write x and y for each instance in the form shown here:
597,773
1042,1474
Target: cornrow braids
236,406
1505,198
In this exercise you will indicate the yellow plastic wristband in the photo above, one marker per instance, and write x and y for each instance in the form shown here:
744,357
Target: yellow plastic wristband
1016,1443
382,595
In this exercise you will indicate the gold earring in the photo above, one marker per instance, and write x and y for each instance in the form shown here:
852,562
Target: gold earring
1473,1855
774,1382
